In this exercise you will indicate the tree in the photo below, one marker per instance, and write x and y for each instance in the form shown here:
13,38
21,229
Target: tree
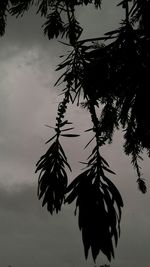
111,71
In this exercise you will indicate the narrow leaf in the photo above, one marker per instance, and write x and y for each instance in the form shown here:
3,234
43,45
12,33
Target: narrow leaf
50,139
70,135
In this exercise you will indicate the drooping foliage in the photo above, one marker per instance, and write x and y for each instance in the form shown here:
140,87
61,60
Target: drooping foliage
111,72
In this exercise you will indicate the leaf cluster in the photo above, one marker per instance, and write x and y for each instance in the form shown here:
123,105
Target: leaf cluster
99,206
123,67
53,178
3,11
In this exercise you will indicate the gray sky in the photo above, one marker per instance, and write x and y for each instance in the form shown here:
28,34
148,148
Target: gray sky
29,236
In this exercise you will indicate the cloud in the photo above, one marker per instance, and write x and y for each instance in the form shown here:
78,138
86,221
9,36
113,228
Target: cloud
30,236
28,101
103,20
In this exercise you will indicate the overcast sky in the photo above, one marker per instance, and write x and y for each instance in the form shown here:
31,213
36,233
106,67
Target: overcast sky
29,236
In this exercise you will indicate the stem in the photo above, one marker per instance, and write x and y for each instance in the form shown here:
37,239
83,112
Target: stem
68,12
127,11
61,111
69,20
96,39
96,130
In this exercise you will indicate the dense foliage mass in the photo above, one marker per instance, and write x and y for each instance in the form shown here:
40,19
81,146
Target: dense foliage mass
111,71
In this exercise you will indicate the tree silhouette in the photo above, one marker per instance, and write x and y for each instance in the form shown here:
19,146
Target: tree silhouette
111,71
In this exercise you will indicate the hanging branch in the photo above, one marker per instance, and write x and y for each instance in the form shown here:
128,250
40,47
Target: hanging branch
96,200
53,178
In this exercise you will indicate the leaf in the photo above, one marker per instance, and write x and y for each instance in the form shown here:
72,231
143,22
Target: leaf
104,161
63,64
50,139
67,164
70,135
89,142
63,123
88,130
142,185
82,162
112,32
115,194
43,8
69,122
49,126
54,25
62,151
77,180
20,7
72,196
63,75
68,129
108,170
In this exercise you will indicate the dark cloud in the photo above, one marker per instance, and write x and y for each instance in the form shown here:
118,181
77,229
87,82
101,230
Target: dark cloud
26,31
30,236
19,199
